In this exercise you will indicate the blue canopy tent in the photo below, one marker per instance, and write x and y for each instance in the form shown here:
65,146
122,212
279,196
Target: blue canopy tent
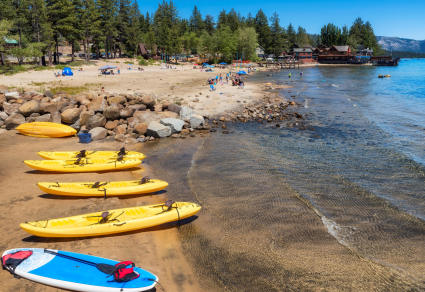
107,67
242,72
223,63
205,64
67,72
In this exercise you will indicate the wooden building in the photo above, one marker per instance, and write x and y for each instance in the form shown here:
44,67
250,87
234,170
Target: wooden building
335,55
303,55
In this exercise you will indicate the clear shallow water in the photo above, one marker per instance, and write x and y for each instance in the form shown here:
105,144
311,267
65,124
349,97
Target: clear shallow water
338,205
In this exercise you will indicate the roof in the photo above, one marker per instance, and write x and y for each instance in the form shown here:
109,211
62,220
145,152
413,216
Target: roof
10,41
341,48
303,50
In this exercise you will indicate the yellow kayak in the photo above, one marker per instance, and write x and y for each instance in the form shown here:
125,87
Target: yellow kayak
82,164
46,130
54,155
112,221
103,189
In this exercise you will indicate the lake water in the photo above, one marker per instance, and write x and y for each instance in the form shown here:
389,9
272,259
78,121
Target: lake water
336,201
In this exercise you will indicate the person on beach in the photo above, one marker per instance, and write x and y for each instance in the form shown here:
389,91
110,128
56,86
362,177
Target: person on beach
212,88
301,74
119,71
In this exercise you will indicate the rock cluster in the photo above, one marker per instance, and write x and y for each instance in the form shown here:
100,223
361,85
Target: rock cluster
123,117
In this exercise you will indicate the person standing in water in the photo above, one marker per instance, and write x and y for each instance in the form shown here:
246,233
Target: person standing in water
289,75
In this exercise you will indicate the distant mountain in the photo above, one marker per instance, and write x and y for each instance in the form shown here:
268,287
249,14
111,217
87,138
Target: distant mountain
401,45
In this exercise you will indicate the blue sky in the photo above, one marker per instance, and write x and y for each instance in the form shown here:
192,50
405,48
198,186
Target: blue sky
389,18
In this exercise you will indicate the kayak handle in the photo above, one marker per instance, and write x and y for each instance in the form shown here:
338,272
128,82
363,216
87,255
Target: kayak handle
119,224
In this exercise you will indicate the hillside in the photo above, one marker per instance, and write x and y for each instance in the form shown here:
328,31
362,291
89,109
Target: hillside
401,44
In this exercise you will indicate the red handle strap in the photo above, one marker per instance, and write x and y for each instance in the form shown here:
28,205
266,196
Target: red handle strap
125,264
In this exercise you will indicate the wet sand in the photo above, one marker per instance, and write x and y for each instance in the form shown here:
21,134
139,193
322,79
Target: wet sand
157,250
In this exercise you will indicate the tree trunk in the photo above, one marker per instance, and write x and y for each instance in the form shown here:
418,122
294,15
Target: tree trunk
72,52
50,57
85,50
2,58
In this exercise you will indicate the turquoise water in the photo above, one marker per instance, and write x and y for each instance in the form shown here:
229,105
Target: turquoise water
334,201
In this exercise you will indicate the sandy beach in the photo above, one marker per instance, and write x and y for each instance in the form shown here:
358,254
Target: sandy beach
182,84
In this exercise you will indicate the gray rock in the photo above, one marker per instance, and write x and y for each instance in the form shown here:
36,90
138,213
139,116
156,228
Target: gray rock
76,125
71,115
172,107
130,140
126,113
112,112
12,95
10,108
185,113
98,133
3,116
176,125
95,121
44,118
48,93
29,107
14,120
196,121
158,130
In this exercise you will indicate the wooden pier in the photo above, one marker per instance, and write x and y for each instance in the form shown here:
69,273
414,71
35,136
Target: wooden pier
287,64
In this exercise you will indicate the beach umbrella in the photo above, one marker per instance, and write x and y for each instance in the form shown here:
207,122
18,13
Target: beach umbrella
223,63
242,72
205,64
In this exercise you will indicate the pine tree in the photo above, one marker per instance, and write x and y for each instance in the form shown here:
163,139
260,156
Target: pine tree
263,30
292,36
302,39
196,24
209,24
90,27
278,39
108,14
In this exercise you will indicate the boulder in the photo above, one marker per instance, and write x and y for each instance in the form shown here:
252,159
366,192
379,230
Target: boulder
10,108
185,113
44,118
70,115
76,125
141,128
12,95
82,99
137,107
196,121
111,125
3,116
48,93
48,107
98,104
14,120
56,117
119,137
121,129
131,140
176,125
158,130
126,113
112,112
172,107
29,107
2,99
146,116
95,121
149,101
98,133
116,99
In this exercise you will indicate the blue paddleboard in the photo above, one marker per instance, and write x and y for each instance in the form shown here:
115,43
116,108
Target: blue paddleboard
63,270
